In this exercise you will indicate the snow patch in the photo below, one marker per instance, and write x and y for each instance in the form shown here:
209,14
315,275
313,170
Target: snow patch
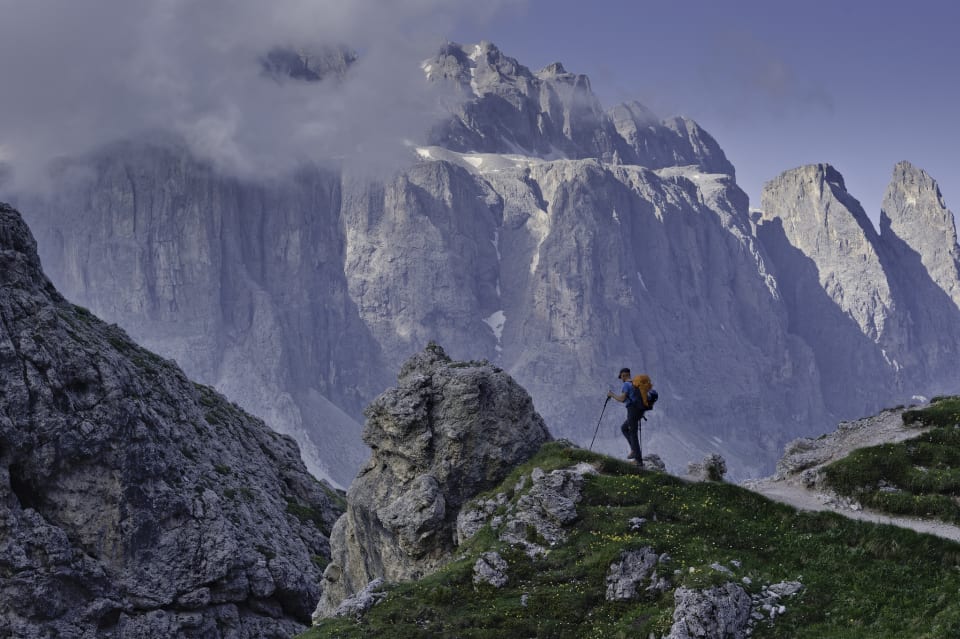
496,322
707,183
892,362
642,283
496,247
539,226
482,163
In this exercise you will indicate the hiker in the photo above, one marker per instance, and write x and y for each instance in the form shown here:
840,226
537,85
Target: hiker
630,397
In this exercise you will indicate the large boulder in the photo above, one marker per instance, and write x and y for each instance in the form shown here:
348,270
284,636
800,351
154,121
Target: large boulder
447,432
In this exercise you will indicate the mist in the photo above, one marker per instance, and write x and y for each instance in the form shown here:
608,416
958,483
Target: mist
77,76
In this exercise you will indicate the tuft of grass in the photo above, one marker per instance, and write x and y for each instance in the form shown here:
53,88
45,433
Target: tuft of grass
942,411
860,580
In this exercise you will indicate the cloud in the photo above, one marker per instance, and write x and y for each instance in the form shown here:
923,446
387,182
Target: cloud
746,74
78,75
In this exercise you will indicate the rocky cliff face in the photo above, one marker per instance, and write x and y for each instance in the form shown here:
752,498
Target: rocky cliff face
537,231
133,502
872,307
447,432
242,284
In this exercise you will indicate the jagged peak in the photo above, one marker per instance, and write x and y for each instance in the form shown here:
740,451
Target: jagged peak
15,235
915,183
19,261
309,64
553,69
638,113
823,182
914,213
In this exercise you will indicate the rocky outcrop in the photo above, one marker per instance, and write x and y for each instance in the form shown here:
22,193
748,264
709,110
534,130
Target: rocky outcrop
721,611
546,506
635,572
448,431
133,502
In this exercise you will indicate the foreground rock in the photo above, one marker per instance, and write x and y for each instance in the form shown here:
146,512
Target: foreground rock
134,503
448,431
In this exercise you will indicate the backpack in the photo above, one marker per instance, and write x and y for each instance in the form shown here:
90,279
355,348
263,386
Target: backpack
642,383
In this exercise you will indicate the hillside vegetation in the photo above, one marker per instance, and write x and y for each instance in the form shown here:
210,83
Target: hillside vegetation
919,477
859,580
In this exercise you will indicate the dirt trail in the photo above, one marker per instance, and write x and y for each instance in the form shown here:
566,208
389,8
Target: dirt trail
796,480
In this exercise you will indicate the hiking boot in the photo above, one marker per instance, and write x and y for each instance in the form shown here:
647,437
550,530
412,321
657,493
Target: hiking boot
632,455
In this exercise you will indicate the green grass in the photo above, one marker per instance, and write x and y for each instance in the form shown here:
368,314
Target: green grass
918,477
861,580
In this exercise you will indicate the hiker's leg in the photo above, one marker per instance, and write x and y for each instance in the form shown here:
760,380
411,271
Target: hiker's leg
633,423
625,429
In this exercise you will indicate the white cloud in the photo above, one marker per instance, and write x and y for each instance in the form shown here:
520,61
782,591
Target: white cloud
76,75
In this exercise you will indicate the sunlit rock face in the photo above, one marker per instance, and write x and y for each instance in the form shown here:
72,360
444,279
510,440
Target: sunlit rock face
534,229
134,502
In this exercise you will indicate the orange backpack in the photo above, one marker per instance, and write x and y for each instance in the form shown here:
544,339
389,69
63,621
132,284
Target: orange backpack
644,386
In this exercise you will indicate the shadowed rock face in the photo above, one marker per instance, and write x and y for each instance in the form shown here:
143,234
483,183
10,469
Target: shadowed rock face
133,502
447,432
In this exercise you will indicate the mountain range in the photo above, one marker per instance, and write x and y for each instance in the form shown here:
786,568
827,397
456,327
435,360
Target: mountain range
533,229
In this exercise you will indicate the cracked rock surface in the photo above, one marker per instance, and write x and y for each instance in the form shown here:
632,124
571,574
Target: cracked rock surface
133,502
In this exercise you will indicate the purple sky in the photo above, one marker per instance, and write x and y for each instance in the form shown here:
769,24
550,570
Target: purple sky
858,84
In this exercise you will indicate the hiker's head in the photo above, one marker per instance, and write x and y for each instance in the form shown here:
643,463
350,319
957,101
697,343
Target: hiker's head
624,374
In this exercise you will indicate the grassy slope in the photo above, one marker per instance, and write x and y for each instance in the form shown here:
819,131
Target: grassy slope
918,477
861,580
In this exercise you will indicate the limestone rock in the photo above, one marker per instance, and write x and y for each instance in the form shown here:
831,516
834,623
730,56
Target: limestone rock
134,502
721,611
636,570
491,569
357,604
448,431
547,507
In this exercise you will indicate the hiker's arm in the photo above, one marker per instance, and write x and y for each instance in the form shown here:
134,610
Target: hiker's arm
622,397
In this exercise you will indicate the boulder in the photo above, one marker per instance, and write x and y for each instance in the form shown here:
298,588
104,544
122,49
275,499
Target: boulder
447,432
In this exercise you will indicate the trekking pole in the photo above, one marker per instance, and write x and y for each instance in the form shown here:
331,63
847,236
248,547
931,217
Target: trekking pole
598,424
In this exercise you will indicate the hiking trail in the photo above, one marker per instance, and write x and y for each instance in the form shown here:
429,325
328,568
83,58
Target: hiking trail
795,482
